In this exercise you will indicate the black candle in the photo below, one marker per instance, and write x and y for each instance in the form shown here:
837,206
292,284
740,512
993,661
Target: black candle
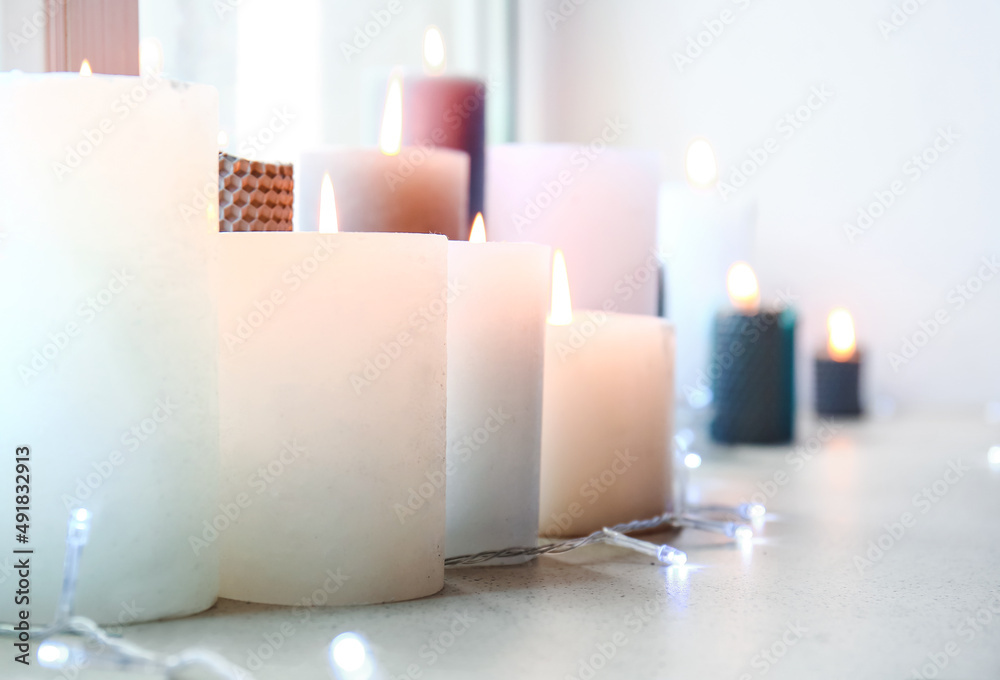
838,370
753,368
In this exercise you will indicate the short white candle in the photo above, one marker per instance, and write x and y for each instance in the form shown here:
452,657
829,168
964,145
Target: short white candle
608,414
107,195
596,204
496,341
333,373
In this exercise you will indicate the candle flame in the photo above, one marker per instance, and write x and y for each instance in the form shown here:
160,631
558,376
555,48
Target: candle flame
391,137
434,54
478,234
842,341
744,292
85,68
562,306
328,223
700,165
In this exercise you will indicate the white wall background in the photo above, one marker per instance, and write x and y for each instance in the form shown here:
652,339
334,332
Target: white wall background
940,69
616,58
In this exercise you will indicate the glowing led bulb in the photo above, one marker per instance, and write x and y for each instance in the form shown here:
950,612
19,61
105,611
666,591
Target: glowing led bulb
751,510
664,553
993,455
79,527
53,655
692,460
350,657
742,533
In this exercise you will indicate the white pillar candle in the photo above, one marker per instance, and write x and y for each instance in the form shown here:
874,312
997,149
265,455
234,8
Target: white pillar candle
700,235
608,415
414,189
421,191
597,204
333,373
109,368
496,340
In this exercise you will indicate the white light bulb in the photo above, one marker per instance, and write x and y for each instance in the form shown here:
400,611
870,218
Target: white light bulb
993,455
743,533
672,556
350,658
53,655
692,460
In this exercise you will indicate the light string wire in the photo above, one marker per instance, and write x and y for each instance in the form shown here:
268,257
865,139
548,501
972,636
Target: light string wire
114,653
699,517
737,530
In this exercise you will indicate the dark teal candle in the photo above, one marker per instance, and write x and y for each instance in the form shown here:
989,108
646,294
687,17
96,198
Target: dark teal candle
753,377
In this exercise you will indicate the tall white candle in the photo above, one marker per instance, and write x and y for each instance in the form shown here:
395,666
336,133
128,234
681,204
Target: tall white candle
332,389
608,415
496,340
700,235
108,369
596,204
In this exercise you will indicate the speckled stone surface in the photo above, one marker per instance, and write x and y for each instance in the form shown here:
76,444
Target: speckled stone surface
795,605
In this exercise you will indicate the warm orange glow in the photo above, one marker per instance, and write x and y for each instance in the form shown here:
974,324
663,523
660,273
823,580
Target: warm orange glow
328,223
85,69
842,342
700,165
434,54
562,306
390,139
743,289
478,234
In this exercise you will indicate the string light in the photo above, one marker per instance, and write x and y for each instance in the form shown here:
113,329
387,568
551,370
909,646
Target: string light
97,649
741,532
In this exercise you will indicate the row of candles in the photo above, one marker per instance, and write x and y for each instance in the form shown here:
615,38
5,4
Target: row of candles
382,399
